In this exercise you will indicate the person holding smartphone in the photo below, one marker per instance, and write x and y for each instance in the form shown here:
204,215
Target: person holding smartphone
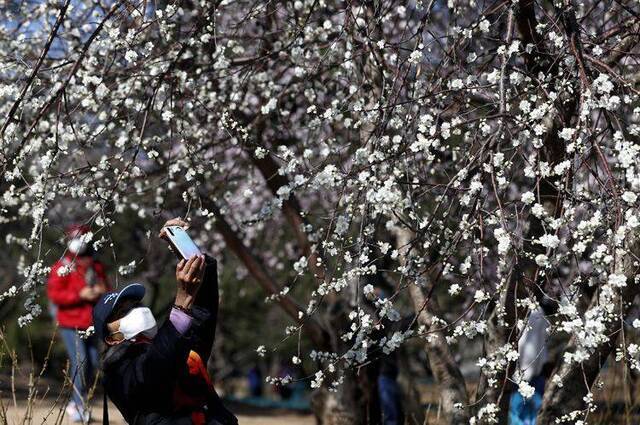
157,375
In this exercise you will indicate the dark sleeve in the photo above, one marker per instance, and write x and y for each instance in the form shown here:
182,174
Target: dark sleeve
205,314
220,413
206,310
207,297
155,370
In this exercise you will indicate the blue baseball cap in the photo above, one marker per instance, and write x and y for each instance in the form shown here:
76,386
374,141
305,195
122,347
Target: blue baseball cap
107,303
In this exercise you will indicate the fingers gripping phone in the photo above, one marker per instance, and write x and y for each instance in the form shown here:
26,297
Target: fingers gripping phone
183,246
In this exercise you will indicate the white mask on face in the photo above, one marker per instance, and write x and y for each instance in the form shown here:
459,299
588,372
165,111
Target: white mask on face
77,246
138,321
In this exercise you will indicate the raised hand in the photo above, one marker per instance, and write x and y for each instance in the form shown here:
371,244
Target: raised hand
189,274
173,222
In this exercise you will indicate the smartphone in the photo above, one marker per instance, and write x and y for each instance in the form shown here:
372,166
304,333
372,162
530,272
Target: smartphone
183,246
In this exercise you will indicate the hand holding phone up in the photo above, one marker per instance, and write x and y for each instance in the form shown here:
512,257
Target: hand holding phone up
180,242
189,275
173,222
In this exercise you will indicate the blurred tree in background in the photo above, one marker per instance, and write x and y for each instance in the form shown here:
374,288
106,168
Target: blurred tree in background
378,179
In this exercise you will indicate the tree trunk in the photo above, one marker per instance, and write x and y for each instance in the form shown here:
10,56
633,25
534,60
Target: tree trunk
336,408
446,372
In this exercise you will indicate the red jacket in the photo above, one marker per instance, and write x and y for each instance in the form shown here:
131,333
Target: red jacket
63,290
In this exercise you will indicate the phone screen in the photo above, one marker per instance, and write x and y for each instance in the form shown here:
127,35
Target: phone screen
183,242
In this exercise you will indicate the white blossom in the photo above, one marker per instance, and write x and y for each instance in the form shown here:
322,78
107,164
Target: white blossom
525,389
549,241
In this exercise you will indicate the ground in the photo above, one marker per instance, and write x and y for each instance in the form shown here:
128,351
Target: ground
618,404
14,393
42,415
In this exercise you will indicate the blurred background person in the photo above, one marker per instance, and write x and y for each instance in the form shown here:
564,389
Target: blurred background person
75,283
254,380
286,372
532,349
389,390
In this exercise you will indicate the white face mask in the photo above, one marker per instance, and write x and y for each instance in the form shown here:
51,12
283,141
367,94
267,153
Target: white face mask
77,246
138,321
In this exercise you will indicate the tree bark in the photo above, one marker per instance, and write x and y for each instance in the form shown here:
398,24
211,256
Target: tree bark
447,374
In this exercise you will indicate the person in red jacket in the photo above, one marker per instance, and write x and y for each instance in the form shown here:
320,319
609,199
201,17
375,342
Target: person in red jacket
76,281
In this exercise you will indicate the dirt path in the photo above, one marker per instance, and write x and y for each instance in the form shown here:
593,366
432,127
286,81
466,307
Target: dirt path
42,415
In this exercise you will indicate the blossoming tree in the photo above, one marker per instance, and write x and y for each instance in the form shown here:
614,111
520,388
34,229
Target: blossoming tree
486,151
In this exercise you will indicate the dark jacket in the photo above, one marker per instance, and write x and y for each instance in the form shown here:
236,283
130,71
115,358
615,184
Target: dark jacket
140,378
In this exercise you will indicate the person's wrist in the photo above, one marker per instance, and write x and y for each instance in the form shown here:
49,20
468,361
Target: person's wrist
182,309
184,301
